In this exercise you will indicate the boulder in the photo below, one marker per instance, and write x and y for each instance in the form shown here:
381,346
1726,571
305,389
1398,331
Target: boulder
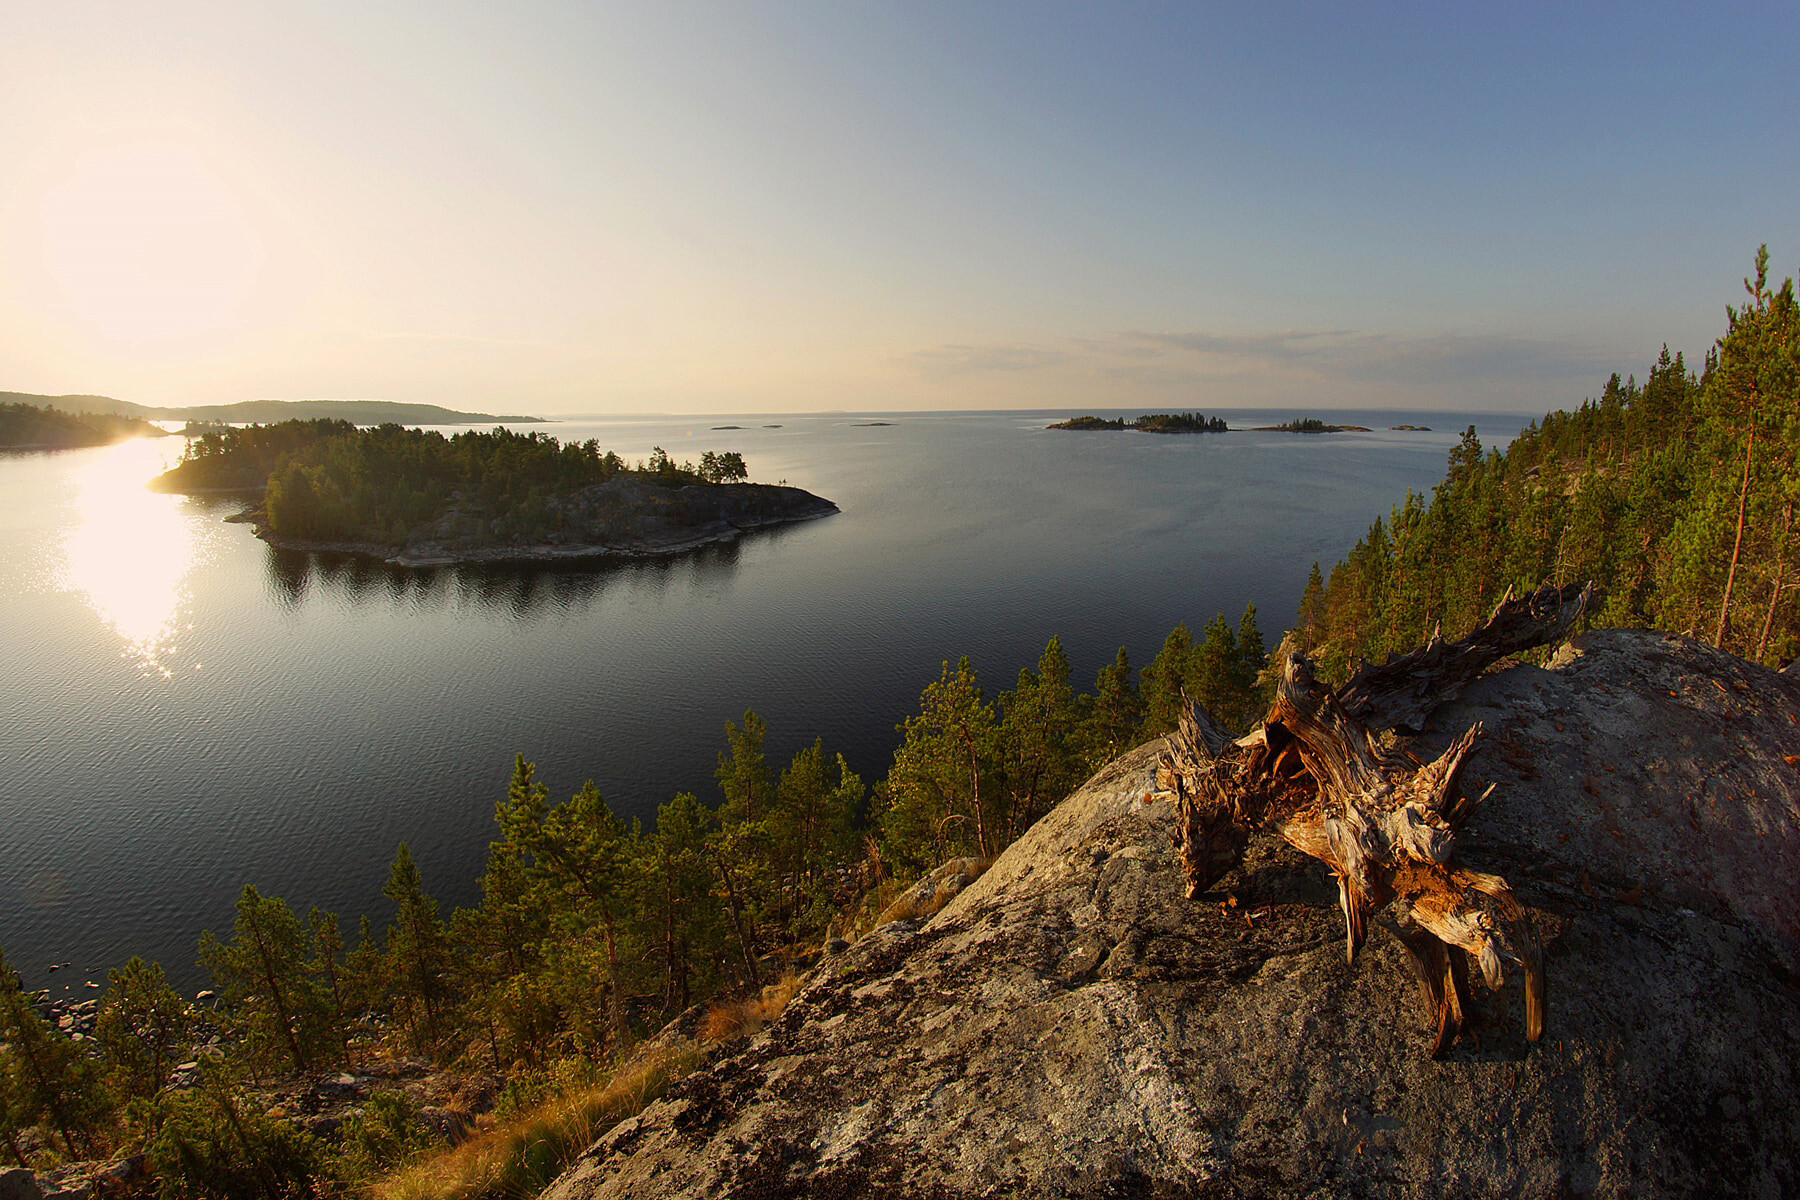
19,1184
1070,1025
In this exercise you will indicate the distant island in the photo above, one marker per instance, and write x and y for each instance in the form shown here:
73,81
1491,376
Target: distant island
268,412
1149,423
417,498
1412,428
26,426
1310,425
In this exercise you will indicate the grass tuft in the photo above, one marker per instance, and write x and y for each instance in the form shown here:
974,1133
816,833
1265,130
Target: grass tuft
522,1156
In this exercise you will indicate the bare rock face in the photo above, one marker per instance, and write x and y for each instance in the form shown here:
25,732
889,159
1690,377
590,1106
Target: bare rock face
1070,1025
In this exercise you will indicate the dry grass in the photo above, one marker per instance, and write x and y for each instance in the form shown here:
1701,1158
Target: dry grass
734,1018
920,908
521,1157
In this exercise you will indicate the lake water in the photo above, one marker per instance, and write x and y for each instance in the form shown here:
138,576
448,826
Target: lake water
187,710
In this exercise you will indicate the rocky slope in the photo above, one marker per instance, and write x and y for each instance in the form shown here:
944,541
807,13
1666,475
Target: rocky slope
1069,1025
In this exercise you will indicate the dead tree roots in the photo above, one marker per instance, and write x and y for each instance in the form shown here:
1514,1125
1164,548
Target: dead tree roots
1382,821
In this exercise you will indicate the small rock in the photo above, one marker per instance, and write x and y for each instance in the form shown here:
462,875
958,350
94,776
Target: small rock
19,1183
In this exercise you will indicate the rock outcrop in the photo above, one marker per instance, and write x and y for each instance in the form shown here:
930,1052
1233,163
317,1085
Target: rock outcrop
622,518
1070,1025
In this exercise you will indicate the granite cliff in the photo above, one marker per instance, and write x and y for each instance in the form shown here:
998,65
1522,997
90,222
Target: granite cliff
1070,1025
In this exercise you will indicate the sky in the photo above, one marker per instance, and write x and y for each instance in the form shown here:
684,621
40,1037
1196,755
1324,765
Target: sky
592,208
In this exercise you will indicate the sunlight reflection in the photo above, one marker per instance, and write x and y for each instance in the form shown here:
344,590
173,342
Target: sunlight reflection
129,554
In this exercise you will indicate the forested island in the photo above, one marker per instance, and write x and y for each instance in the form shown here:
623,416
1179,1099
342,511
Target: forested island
44,427
1149,423
1313,425
415,497
475,1055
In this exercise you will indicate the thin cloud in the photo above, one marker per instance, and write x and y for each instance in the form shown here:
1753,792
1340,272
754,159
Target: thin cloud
953,359
1252,364
1384,357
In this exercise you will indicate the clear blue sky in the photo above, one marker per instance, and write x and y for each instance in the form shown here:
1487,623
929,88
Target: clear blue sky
573,207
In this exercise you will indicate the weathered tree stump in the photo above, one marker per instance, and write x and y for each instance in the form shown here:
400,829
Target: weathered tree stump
1382,821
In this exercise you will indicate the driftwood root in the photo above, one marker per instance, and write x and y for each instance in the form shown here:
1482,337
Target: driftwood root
1383,822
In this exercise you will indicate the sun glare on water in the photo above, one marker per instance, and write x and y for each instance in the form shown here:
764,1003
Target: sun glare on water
129,555
146,242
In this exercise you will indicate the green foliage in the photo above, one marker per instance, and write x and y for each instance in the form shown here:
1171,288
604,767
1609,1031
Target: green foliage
384,1135
216,1144
1039,753
1113,718
677,914
1219,675
933,801
1149,423
265,977
581,853
812,830
1678,497
43,1075
743,772
1180,423
416,956
140,1024
722,468
329,480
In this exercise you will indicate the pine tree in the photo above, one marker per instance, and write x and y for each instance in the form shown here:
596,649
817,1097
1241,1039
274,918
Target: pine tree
584,851
1038,752
328,967
677,908
263,979
935,806
1312,609
743,771
416,950
1116,714
47,1077
1171,671
140,1024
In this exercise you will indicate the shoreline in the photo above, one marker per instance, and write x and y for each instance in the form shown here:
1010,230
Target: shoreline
535,553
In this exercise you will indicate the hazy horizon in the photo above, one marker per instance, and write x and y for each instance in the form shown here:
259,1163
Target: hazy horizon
699,209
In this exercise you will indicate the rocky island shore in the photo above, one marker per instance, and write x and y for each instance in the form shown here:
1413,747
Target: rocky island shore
415,498
620,520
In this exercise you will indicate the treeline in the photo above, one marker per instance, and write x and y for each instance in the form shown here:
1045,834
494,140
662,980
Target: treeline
590,933
1149,423
31,425
1677,496
330,480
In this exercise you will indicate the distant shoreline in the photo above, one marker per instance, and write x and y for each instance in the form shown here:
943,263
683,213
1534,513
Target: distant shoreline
269,412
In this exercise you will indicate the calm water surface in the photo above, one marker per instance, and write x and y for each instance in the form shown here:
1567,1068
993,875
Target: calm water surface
187,710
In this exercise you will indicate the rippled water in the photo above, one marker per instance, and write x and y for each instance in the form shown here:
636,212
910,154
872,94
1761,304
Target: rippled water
187,710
